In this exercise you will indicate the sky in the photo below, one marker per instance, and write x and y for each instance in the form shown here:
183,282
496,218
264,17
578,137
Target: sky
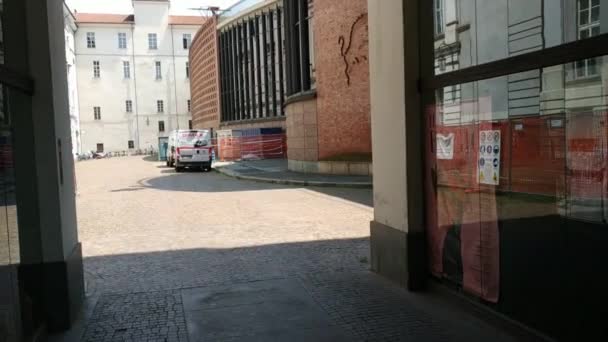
178,7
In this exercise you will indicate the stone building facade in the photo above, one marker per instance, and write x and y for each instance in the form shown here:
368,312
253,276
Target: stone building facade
70,28
133,76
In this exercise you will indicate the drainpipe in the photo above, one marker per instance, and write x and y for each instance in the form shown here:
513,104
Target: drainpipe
135,84
174,76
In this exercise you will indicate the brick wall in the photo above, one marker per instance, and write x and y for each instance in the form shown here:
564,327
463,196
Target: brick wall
204,78
342,74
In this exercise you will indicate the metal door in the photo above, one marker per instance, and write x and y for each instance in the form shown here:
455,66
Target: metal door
163,145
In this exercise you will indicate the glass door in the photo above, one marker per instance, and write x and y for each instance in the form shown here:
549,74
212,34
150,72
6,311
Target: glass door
9,234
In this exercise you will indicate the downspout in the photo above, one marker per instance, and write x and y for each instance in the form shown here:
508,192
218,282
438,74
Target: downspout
135,84
174,76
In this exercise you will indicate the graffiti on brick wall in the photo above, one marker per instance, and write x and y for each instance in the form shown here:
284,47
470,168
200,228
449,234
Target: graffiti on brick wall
355,50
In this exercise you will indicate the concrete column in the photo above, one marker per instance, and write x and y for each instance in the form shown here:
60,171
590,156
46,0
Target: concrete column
397,234
51,260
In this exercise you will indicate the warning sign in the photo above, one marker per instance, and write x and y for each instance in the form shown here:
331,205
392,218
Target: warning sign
489,158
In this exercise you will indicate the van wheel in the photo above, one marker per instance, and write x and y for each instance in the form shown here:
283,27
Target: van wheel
179,169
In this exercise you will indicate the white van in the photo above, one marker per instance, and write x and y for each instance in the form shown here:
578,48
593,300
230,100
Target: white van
190,148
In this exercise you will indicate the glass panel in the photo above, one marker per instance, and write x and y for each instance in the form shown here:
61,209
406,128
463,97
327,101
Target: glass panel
9,234
517,201
581,68
1,32
9,242
8,207
595,14
236,9
592,67
478,32
584,17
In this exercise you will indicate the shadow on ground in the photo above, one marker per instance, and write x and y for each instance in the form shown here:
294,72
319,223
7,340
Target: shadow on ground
128,189
199,181
151,158
318,290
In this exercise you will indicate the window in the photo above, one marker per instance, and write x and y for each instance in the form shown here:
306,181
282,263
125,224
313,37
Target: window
186,40
311,45
100,148
160,106
131,144
126,69
189,124
161,126
97,113
158,69
532,26
439,19
122,40
261,71
440,66
91,40
152,42
187,69
508,122
96,69
129,106
588,26
297,46
188,105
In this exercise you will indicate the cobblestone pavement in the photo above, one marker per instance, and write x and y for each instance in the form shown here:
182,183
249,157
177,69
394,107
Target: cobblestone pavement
138,317
149,233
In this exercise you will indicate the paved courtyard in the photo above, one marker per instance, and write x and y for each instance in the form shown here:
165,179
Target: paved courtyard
202,257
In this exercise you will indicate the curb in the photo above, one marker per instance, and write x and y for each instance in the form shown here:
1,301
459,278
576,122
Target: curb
236,175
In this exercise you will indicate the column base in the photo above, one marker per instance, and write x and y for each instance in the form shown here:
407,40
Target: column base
54,292
399,256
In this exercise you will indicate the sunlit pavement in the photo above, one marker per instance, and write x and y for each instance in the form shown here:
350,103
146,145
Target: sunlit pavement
199,256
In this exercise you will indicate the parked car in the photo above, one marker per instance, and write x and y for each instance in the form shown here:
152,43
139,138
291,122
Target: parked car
190,149
99,155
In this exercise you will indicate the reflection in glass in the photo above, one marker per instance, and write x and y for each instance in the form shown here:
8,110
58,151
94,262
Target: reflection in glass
470,32
517,202
1,32
9,244
438,11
